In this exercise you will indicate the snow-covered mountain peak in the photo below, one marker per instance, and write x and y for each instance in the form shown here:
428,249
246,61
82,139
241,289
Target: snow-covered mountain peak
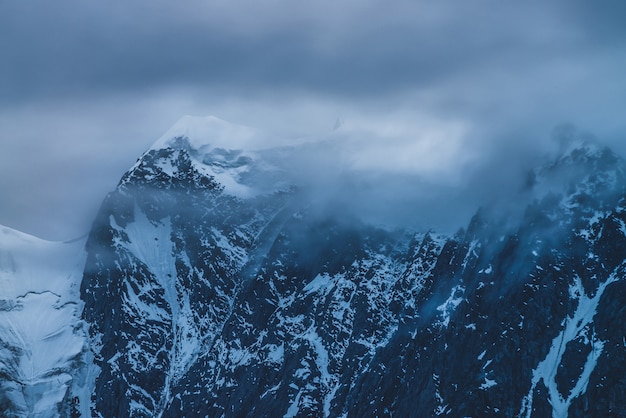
208,150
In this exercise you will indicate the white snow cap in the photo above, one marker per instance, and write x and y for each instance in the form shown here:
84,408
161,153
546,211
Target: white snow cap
210,131
225,151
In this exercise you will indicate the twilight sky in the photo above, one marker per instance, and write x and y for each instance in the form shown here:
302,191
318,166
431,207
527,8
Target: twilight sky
446,101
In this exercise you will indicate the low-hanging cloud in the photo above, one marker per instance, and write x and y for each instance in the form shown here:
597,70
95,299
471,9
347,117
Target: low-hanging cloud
443,104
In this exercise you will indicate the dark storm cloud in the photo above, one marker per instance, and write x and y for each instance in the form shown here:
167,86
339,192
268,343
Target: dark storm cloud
444,101
80,51
369,48
464,57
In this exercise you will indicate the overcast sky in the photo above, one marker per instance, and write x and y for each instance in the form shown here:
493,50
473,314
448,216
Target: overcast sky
456,94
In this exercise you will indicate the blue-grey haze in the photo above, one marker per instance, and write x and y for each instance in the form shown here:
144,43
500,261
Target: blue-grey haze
446,102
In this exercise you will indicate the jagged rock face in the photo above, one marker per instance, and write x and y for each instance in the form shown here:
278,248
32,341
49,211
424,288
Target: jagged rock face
310,321
164,264
521,321
206,304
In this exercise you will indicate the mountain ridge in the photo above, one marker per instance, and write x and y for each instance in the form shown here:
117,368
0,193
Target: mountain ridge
201,301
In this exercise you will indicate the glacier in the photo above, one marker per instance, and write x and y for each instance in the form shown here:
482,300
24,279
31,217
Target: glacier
43,341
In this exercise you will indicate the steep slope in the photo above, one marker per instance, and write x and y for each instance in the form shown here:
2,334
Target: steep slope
309,322
165,259
524,317
189,281
212,288
42,339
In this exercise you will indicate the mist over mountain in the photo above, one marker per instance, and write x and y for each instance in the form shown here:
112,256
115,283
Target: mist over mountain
355,173
290,281
391,213
446,92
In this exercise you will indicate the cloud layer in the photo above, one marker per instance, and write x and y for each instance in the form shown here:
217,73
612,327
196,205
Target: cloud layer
448,96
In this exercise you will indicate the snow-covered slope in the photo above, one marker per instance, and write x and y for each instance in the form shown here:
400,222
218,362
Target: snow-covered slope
42,339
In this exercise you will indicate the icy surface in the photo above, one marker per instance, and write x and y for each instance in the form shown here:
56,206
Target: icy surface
40,328
447,308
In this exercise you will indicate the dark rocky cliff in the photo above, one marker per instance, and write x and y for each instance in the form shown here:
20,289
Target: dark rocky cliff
202,303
